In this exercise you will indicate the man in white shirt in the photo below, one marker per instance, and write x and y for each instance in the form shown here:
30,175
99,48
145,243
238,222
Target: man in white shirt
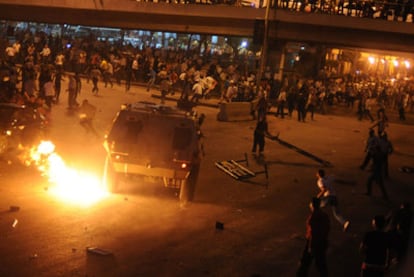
11,53
197,92
328,197
45,53
209,84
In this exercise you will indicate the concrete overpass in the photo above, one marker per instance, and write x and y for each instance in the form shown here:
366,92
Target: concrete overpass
332,30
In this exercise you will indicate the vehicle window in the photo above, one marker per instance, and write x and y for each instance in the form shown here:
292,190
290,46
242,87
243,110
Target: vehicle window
132,132
126,131
182,138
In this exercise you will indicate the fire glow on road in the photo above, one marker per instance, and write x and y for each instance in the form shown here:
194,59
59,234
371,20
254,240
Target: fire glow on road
67,184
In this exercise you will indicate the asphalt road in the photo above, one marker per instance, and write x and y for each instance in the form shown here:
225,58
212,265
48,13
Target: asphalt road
149,233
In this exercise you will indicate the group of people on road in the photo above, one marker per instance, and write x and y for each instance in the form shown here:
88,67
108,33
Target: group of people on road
387,244
384,247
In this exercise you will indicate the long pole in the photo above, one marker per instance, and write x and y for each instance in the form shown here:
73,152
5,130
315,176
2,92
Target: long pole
263,55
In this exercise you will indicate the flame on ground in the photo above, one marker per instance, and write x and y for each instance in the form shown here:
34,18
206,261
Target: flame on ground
68,184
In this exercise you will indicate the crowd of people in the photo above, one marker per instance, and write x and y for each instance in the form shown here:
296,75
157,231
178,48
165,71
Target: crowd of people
397,10
33,66
35,58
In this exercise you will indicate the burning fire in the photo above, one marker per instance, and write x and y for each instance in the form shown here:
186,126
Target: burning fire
68,184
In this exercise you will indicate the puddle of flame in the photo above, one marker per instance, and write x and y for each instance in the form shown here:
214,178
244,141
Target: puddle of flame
68,184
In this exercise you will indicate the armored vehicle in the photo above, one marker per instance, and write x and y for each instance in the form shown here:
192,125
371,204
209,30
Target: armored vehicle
157,142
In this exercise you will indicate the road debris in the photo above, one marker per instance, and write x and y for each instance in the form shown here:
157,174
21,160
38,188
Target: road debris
219,225
98,251
14,208
15,223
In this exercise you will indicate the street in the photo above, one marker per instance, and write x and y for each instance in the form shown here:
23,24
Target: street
254,227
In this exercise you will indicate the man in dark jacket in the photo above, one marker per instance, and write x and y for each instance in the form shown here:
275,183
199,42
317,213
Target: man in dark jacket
317,232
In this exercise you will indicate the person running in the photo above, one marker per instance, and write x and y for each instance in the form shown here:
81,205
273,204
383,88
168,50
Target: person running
328,196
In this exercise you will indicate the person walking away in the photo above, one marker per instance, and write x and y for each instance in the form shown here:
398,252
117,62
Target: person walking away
87,113
376,173
375,247
72,89
328,196
386,149
317,233
290,99
311,103
173,81
370,146
259,134
369,103
78,85
281,100
128,74
301,103
381,123
152,75
164,84
95,75
58,84
49,93
107,74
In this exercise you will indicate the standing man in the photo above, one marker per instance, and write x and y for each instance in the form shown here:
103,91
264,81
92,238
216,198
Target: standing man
72,91
376,173
281,100
164,84
317,232
95,75
327,196
152,76
370,145
58,84
260,132
375,249
386,149
49,93
301,99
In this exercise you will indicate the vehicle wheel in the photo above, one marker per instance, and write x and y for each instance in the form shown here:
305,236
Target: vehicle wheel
188,187
110,178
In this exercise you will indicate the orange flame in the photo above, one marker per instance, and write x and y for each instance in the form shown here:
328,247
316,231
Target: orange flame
68,184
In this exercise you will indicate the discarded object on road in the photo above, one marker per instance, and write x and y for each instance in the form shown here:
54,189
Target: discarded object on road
98,251
15,223
14,208
300,151
219,225
407,169
239,172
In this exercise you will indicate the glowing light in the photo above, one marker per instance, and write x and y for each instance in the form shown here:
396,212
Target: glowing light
371,60
407,64
244,44
395,62
67,184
